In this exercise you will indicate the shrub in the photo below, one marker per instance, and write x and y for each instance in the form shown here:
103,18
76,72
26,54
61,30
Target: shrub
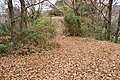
72,24
87,29
2,49
39,35
99,31
6,46
92,29
115,34
4,29
64,9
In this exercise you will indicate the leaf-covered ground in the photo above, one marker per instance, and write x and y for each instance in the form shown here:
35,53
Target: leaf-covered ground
76,59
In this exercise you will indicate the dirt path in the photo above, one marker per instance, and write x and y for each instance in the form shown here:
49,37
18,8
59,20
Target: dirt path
76,59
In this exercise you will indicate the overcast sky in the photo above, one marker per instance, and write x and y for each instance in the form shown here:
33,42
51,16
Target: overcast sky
2,5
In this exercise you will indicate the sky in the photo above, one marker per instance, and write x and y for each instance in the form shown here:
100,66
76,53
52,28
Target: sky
2,5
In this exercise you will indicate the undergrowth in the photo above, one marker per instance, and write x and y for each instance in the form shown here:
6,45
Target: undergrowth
72,24
38,37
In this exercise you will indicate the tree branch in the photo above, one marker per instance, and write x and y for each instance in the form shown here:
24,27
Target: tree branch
99,10
68,4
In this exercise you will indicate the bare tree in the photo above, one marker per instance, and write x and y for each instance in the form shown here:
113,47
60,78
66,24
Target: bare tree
109,19
74,5
39,8
32,8
23,14
12,21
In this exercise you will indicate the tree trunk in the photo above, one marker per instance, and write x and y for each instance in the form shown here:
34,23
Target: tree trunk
38,13
23,14
109,20
12,21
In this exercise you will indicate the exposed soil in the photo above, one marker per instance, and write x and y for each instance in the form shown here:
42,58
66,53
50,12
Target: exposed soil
76,59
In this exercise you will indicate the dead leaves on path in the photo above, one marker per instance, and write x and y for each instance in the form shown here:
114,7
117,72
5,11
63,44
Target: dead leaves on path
77,59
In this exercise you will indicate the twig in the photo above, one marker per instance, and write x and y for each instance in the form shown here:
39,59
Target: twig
99,10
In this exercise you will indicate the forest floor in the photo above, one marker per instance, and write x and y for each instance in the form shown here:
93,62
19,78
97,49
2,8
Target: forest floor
76,59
